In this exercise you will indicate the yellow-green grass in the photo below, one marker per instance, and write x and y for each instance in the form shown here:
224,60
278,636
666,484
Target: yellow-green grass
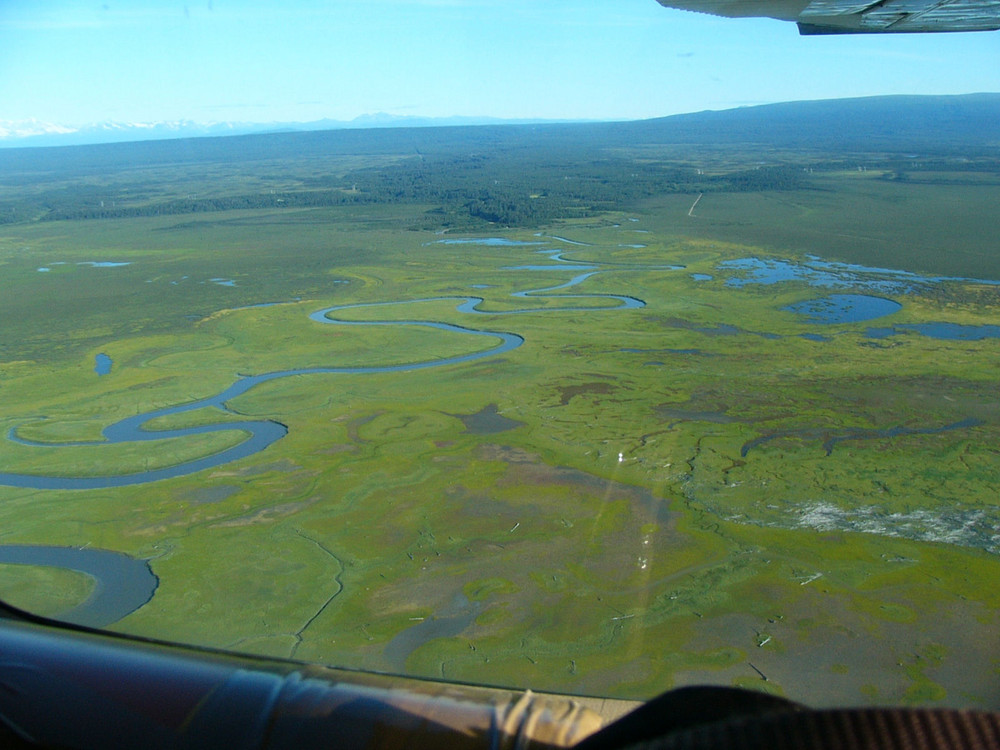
44,591
616,542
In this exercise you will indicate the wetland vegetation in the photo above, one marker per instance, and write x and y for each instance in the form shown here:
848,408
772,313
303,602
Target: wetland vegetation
603,410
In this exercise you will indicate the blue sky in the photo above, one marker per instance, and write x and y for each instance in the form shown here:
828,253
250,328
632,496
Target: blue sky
78,62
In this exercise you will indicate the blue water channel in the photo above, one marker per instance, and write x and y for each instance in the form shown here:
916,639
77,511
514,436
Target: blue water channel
264,433
122,584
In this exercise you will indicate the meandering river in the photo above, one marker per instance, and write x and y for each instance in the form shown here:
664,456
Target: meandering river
122,583
264,433
125,584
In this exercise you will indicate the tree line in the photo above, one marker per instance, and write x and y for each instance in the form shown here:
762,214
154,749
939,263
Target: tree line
507,186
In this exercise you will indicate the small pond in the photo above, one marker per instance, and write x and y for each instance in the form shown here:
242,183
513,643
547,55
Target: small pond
949,331
844,308
102,364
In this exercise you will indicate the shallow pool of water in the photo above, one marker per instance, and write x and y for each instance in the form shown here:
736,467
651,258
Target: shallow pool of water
938,330
817,272
844,308
102,364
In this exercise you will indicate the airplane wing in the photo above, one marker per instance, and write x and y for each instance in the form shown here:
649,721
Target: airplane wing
859,16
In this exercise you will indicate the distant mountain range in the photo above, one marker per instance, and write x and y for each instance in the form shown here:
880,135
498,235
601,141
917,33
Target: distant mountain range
962,125
31,132
863,124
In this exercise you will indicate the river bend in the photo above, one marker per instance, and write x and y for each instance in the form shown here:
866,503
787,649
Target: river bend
263,432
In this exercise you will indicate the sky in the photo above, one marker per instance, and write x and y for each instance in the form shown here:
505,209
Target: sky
76,62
